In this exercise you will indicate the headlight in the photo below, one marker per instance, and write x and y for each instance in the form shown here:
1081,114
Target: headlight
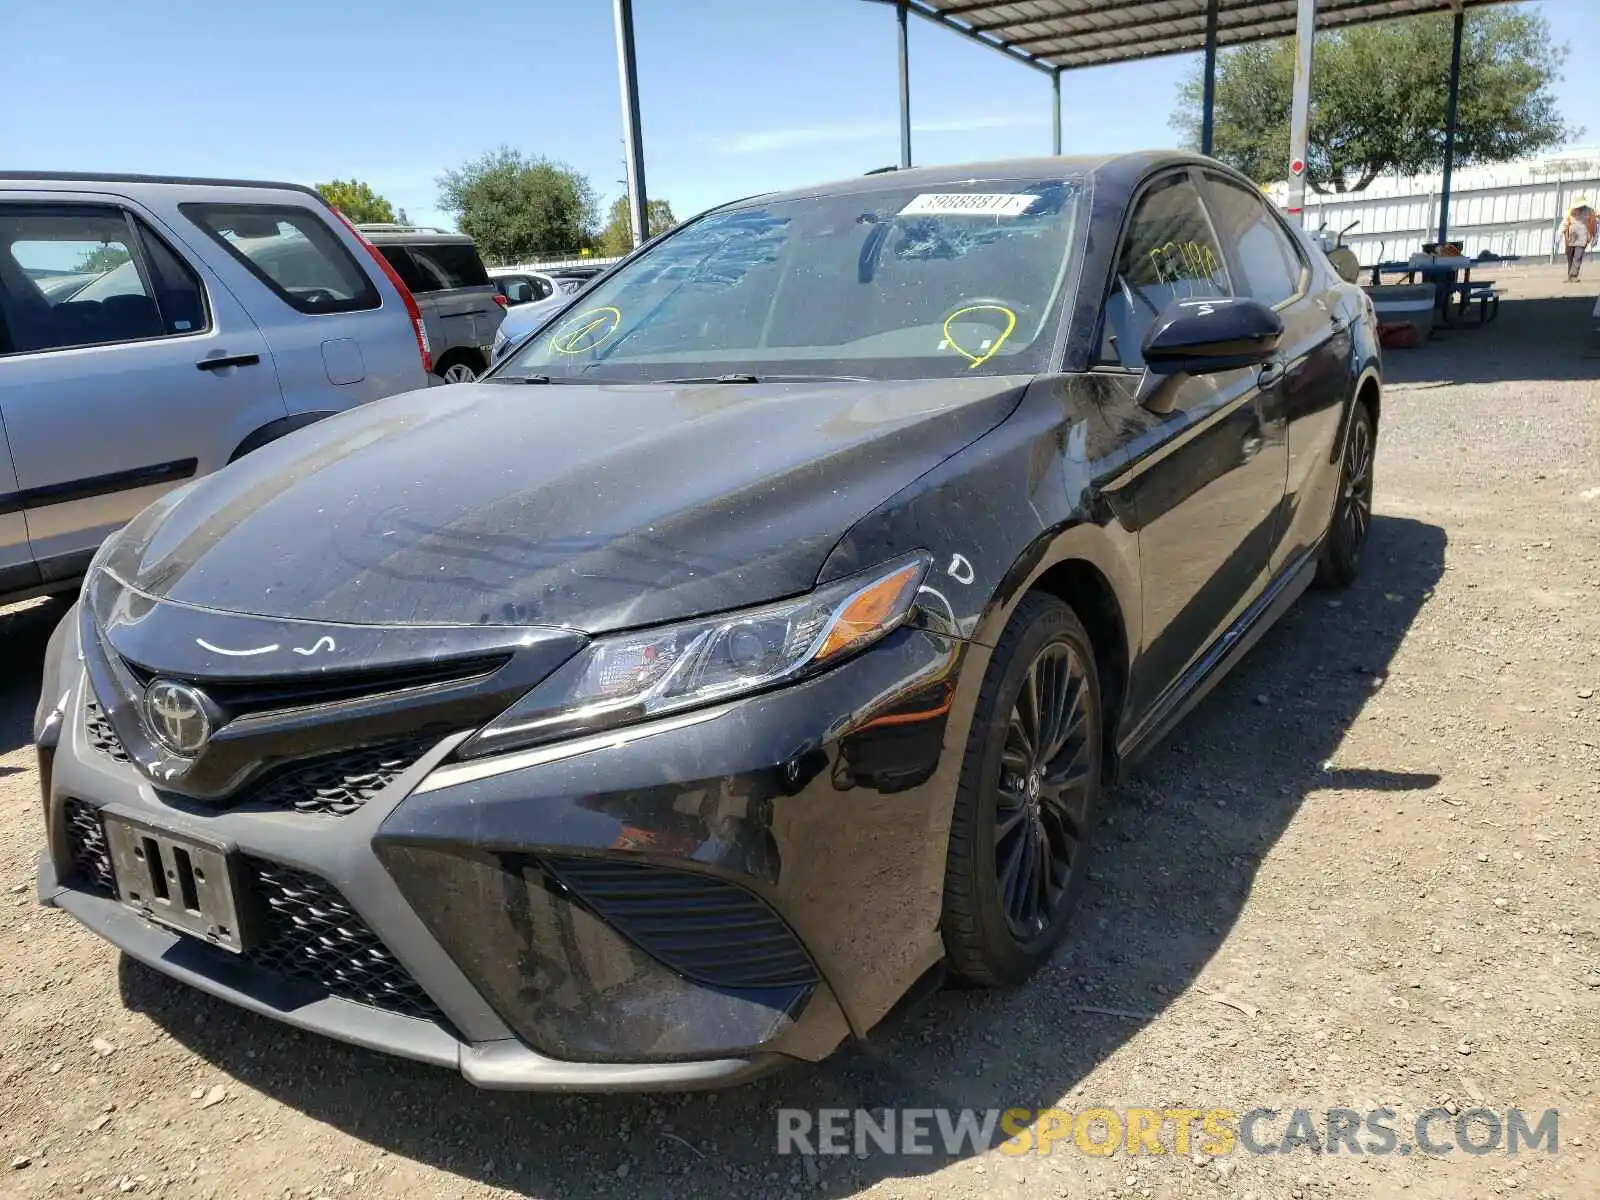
634,676
501,344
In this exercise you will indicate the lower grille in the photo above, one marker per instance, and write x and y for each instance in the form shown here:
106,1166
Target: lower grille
91,858
310,933
307,931
703,927
101,734
336,785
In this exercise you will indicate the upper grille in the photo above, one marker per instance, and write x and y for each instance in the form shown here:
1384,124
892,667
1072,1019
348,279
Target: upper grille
311,933
337,784
101,735
268,693
91,857
704,928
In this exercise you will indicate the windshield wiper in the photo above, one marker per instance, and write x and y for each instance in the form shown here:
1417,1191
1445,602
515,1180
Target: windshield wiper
746,377
518,379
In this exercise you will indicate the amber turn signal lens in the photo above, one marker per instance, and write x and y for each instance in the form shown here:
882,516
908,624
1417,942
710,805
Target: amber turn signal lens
866,614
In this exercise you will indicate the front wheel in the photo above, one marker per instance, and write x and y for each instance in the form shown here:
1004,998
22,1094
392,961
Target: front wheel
1352,510
1029,786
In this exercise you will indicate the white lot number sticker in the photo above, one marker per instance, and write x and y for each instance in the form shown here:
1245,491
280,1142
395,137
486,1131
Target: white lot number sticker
971,204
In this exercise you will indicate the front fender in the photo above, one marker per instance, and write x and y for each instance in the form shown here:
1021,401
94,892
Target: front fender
1010,513
1019,501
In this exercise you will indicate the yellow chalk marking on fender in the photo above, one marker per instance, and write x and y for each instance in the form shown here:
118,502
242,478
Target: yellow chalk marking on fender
988,349
586,331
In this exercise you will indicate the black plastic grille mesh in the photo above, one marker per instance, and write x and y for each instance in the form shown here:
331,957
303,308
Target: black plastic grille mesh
101,735
336,784
91,858
702,927
309,932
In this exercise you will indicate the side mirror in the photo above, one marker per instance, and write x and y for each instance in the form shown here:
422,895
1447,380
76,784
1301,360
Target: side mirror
1194,337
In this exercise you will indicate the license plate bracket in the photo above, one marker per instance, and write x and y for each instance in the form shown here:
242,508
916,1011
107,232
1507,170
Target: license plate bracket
186,883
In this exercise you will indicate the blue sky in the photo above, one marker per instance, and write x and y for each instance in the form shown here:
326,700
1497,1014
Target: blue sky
738,96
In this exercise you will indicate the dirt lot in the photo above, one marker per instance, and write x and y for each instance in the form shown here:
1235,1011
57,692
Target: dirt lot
1377,841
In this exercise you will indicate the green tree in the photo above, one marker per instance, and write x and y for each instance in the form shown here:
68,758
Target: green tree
356,200
101,259
617,237
516,206
1378,96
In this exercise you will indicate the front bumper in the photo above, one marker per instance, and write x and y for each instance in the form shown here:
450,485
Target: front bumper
684,905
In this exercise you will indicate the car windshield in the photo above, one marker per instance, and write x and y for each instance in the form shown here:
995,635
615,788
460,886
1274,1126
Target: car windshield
887,283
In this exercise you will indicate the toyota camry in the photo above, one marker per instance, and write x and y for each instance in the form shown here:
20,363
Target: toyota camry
751,646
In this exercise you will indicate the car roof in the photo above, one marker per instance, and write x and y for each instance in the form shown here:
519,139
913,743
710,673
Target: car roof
70,177
1117,171
413,237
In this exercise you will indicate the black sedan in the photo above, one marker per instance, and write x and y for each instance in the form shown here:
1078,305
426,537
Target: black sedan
754,643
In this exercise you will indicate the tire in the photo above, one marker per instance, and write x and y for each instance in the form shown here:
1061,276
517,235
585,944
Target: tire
989,935
457,372
1352,508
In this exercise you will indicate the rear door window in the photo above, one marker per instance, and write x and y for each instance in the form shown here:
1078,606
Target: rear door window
444,266
1169,253
77,275
290,250
1270,267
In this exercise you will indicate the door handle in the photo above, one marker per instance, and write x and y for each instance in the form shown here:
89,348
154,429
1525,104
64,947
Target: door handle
228,360
1271,374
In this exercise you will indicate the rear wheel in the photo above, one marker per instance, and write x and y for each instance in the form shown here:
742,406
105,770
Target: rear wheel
1029,788
1352,511
457,372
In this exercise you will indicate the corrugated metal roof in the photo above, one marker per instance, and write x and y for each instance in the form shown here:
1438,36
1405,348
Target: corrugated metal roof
1062,34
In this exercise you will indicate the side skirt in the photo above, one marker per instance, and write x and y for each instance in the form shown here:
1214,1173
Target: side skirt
1217,661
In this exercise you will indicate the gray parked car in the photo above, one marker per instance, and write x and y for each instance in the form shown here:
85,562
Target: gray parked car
461,307
154,329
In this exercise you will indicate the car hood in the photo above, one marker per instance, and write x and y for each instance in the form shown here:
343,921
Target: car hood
589,507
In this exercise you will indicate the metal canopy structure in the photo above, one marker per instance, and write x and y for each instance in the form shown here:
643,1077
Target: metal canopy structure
1060,35
1053,36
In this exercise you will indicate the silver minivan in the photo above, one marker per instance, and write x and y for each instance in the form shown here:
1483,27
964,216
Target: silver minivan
154,329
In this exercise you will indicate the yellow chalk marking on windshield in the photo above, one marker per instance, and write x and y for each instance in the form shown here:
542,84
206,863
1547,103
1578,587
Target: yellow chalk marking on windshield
989,349
586,331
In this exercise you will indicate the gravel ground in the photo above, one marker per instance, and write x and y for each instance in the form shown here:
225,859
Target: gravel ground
1362,874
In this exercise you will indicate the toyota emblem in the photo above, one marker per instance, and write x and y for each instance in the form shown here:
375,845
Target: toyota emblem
178,715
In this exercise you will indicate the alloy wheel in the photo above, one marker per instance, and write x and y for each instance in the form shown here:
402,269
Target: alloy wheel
1045,775
1355,513
459,373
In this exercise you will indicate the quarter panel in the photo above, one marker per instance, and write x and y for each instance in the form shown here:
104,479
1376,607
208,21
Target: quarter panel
387,345
1317,415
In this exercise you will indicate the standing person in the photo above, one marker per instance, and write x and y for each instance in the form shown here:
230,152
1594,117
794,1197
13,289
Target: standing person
1577,235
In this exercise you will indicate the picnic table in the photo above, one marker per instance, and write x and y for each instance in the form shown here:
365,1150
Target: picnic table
1450,292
